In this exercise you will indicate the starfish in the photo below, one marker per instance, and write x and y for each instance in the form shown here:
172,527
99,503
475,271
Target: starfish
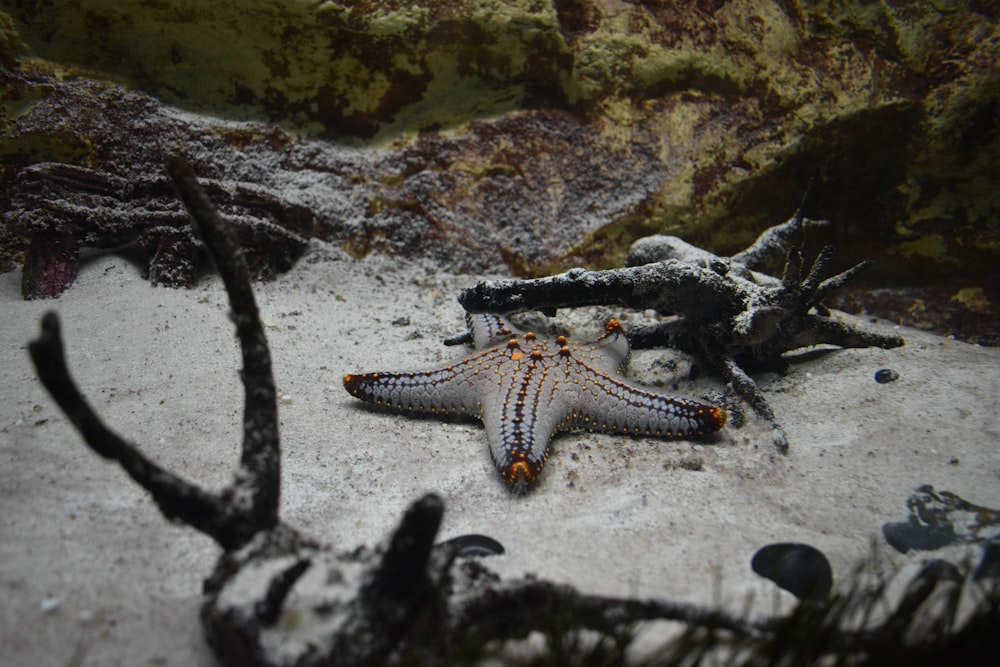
525,389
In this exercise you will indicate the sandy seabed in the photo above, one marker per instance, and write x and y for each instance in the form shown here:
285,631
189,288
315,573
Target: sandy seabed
91,573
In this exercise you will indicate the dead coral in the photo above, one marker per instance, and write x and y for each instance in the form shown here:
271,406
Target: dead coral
720,309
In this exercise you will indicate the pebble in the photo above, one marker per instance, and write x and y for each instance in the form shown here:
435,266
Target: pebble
800,569
886,375
475,546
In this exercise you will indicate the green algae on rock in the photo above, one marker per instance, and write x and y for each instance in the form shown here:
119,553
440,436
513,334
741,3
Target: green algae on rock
315,67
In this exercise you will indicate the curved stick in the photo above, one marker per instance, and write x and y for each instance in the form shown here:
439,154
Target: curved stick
261,457
178,499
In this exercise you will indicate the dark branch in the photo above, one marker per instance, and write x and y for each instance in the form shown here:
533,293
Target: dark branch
403,571
269,609
743,386
178,499
725,313
520,607
816,273
836,282
261,457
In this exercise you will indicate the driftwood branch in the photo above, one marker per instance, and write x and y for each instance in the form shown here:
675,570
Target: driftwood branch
178,499
260,477
721,309
250,504
60,208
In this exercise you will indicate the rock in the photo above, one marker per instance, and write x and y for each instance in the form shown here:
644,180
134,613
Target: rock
475,546
886,375
800,569
940,518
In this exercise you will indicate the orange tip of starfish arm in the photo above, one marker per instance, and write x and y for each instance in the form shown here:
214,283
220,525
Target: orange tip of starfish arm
519,472
352,382
719,417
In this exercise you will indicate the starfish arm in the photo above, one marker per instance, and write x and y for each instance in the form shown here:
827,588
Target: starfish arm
520,420
451,389
609,353
519,448
487,329
603,403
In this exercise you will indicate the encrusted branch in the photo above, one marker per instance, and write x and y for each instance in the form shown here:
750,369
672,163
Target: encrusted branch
60,208
178,499
774,242
260,478
670,286
720,309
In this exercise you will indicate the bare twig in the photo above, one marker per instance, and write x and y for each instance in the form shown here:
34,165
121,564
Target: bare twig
251,503
261,456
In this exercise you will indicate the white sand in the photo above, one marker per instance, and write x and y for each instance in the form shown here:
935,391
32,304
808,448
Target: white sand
90,571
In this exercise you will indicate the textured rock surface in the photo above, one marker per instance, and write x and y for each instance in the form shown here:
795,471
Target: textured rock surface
515,191
555,133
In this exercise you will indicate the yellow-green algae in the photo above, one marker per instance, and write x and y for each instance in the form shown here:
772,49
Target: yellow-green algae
397,66
334,68
973,298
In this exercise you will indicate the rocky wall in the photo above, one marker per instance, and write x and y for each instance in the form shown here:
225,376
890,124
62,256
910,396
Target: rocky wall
527,137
